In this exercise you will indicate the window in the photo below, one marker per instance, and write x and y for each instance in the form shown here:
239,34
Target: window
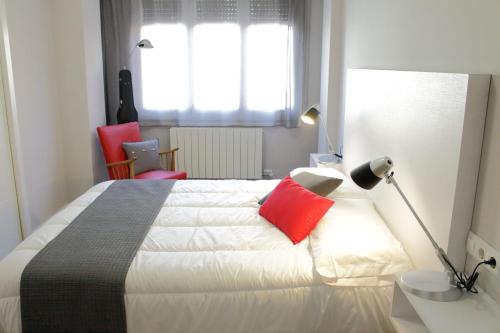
265,67
165,72
219,62
216,66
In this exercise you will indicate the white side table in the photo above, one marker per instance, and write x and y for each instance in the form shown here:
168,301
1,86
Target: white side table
473,313
317,160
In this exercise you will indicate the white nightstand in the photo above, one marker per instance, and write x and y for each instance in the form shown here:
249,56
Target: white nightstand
473,313
317,160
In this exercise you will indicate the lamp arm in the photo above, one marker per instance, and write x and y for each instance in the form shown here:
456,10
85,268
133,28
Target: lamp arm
132,49
330,146
131,52
441,254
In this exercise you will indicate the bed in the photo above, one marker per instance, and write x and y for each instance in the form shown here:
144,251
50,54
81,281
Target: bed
210,263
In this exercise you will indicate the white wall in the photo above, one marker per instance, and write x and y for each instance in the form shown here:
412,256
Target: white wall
331,74
284,149
70,57
77,37
94,73
57,78
441,36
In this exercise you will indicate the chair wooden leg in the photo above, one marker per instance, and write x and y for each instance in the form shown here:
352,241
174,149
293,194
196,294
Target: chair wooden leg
131,171
172,162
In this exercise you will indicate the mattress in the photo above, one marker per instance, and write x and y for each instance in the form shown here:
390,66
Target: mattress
210,263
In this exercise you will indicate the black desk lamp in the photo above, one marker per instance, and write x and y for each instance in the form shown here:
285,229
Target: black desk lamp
438,286
309,117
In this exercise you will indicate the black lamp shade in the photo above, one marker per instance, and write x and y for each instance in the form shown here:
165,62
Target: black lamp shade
309,117
368,175
364,177
144,44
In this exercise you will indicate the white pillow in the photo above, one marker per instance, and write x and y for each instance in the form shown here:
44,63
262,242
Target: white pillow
346,190
352,242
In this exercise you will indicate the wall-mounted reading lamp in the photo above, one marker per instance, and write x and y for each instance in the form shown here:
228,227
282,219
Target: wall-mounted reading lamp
310,116
438,286
142,44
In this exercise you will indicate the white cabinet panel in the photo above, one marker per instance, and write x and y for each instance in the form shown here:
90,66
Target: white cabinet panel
431,125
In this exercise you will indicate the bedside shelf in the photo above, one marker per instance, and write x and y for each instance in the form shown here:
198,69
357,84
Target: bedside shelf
414,325
317,160
476,313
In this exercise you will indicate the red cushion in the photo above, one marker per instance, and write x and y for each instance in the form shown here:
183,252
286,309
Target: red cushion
113,136
161,174
294,209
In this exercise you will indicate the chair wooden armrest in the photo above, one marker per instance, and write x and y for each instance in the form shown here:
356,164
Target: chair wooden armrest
164,158
122,169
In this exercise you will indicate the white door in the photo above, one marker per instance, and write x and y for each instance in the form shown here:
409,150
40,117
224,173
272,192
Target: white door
10,227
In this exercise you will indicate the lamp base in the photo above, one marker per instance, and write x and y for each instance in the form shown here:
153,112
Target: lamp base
430,285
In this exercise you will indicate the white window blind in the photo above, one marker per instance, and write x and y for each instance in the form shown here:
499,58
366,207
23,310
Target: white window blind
216,11
269,11
161,11
220,62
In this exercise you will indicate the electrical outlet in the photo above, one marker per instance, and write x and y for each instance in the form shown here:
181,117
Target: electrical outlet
267,173
481,250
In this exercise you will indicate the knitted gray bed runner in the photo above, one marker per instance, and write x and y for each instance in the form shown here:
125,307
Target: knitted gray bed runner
77,282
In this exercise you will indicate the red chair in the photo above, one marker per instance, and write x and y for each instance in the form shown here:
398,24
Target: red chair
119,167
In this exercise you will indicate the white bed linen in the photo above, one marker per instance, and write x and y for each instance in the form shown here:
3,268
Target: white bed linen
210,263
352,246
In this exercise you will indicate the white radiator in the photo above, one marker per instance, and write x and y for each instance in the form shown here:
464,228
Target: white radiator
218,152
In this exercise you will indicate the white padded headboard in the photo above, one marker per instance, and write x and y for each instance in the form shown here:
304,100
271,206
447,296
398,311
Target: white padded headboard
431,125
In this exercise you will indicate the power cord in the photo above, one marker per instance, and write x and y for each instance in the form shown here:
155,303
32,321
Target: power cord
467,282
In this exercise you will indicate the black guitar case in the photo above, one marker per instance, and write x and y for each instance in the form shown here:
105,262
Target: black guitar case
126,112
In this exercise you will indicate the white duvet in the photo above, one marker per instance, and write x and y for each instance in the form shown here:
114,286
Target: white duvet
210,263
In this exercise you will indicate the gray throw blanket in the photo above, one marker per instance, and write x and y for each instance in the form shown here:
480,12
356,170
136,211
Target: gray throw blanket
77,282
